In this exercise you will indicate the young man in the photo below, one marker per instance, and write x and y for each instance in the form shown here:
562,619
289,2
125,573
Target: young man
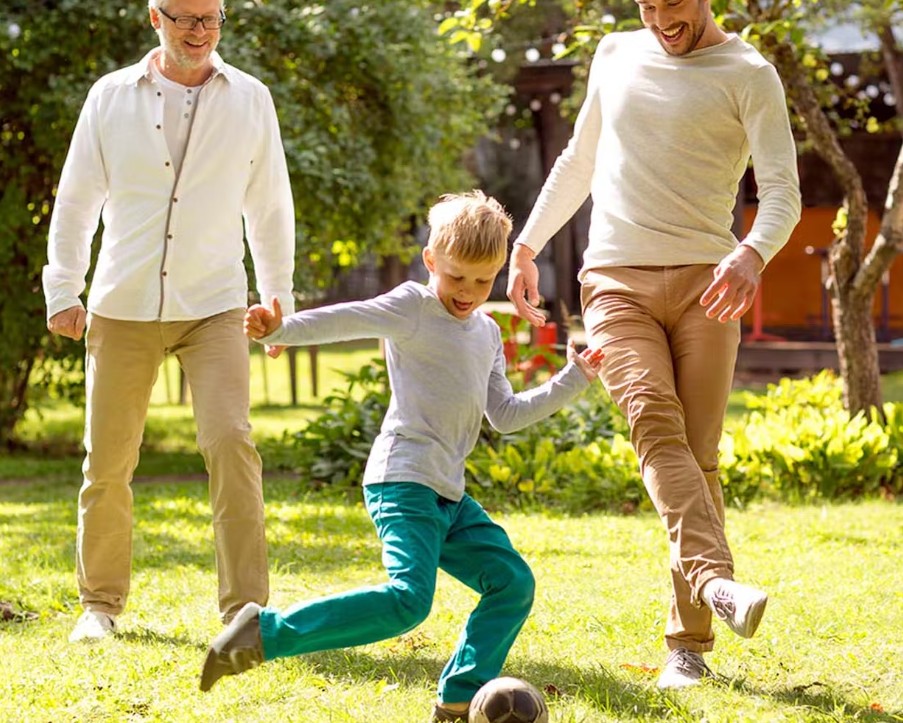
446,370
172,152
672,114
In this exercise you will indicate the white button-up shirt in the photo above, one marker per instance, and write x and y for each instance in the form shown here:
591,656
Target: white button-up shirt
172,247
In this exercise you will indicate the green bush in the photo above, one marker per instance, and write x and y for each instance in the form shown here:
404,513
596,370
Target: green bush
577,459
333,448
798,443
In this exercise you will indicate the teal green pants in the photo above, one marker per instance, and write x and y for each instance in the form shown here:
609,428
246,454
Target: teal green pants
421,532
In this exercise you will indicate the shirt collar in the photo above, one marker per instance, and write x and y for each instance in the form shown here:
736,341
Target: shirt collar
142,69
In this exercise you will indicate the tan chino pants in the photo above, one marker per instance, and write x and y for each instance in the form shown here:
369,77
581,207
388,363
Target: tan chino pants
122,362
669,369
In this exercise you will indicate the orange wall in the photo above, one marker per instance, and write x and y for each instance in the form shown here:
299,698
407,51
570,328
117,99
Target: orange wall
791,286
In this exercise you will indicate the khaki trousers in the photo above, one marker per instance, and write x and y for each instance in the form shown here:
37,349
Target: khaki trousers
669,369
123,358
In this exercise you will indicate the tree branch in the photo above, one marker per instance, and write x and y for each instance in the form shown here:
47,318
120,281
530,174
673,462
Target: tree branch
893,61
845,256
890,239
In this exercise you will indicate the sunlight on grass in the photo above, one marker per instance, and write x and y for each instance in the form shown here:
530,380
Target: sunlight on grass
828,650
892,387
54,431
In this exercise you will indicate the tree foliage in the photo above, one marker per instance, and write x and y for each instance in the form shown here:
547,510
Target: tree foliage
375,109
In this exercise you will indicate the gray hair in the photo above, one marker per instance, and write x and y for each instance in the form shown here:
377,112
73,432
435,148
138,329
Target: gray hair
156,4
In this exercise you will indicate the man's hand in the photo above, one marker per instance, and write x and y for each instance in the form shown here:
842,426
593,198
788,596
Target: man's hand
523,284
737,280
261,322
70,322
589,360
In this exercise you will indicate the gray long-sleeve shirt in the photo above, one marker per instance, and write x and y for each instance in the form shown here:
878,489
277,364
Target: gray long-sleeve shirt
445,373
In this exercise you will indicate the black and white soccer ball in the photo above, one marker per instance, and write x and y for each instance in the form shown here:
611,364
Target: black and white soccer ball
508,700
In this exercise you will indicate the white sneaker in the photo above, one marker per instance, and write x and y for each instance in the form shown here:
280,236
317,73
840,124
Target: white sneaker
739,606
93,626
683,668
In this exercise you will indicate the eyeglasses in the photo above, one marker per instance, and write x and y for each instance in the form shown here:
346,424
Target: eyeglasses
190,22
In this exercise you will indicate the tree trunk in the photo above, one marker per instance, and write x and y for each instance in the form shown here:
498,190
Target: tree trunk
13,389
851,284
857,352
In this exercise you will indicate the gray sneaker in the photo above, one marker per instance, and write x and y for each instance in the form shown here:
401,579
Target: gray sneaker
740,607
444,715
237,649
683,668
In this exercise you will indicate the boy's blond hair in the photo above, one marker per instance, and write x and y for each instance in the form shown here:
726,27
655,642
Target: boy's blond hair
471,228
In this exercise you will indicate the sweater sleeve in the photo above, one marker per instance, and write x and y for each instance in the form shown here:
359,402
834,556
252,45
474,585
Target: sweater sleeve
394,315
509,412
764,116
570,180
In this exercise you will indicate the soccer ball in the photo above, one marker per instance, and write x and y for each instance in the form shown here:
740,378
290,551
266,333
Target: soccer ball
508,700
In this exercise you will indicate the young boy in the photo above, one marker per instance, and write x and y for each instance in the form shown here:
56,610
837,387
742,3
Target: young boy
446,369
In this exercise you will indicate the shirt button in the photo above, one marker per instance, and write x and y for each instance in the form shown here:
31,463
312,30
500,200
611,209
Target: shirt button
167,164
159,93
159,126
186,115
169,235
175,200
163,274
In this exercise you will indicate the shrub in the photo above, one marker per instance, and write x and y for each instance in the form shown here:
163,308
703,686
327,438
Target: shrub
798,443
577,459
333,448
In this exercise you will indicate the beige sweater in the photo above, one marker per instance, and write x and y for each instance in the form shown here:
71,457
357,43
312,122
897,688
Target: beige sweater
662,142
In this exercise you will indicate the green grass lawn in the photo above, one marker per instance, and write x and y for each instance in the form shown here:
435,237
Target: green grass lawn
829,648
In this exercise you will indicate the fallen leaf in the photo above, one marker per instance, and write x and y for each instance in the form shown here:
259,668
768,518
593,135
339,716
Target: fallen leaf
9,613
648,669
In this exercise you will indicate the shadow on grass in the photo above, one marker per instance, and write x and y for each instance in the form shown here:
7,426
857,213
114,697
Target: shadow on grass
143,636
600,687
173,523
821,697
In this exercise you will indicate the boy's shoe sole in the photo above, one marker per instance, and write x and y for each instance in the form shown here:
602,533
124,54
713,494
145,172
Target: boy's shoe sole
235,650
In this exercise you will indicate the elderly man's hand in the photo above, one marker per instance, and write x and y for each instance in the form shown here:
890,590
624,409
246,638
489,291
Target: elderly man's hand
70,322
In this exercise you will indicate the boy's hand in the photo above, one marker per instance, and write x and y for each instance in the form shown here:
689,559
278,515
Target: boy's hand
589,360
261,322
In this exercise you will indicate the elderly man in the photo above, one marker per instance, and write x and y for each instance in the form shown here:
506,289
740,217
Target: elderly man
672,115
171,153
